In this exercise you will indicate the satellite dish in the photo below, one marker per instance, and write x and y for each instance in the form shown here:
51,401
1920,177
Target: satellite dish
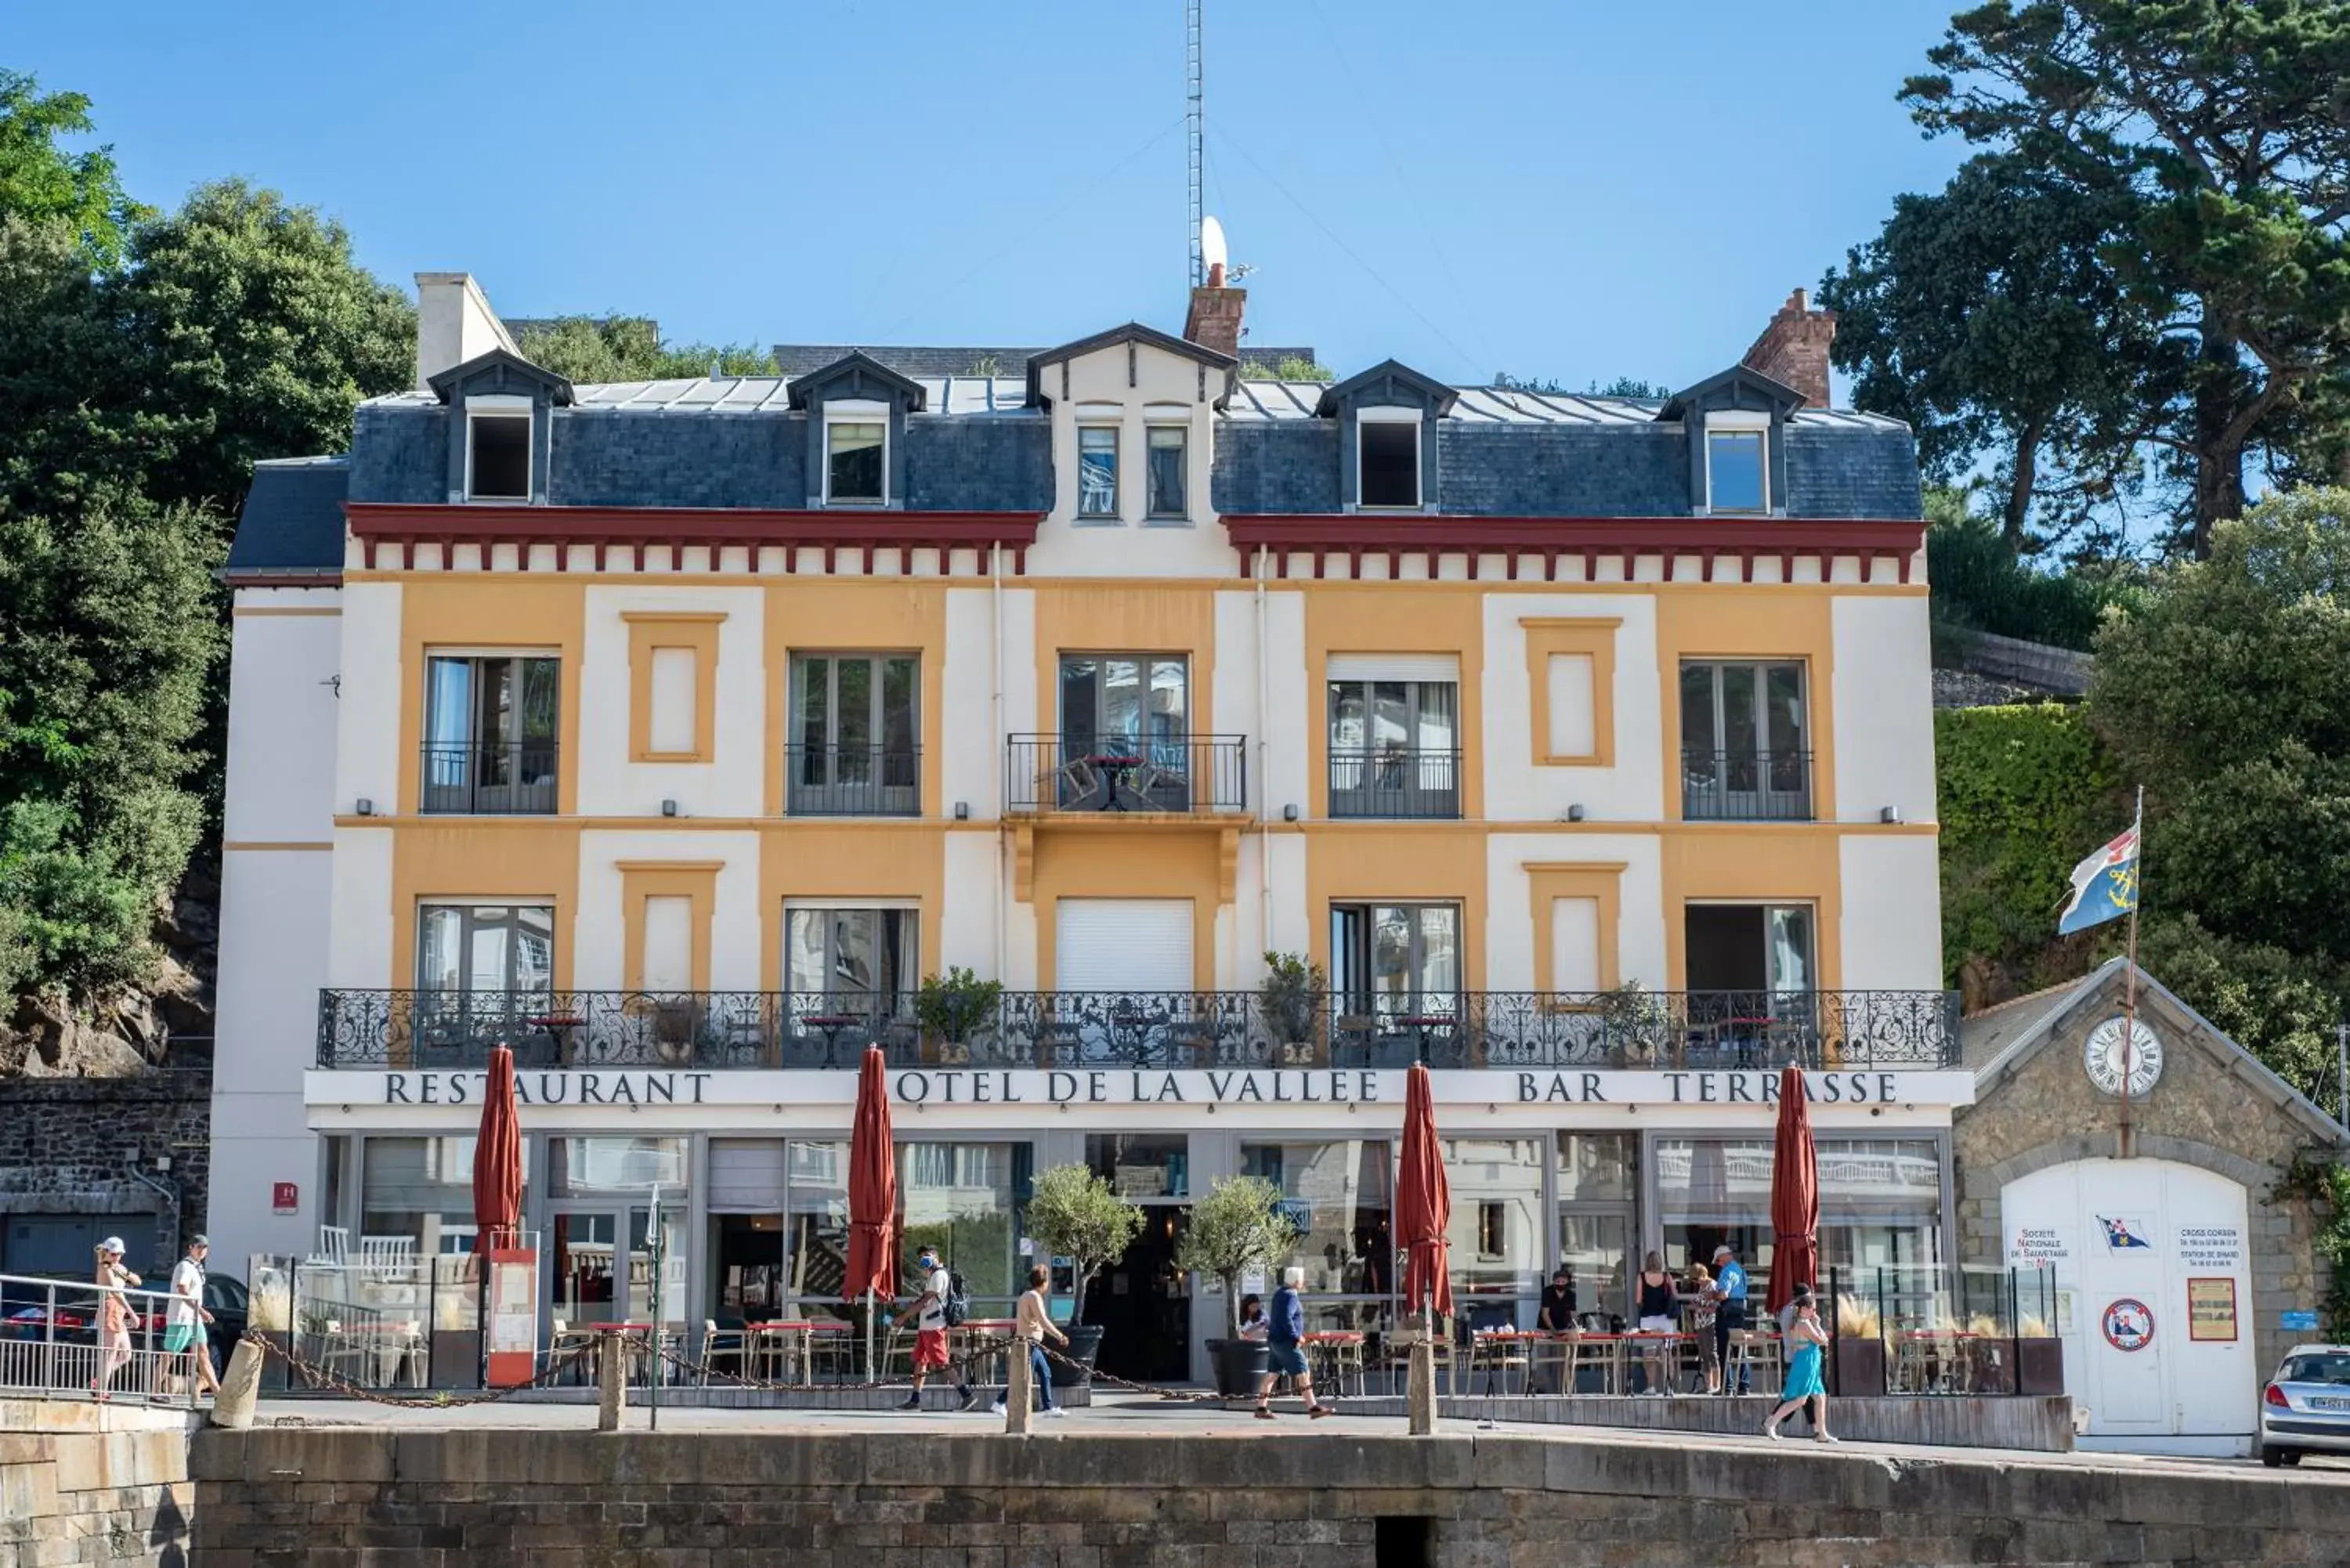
1212,254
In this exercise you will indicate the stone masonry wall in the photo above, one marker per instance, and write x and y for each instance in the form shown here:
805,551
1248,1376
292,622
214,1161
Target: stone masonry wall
407,1497
68,1145
2200,1114
85,1484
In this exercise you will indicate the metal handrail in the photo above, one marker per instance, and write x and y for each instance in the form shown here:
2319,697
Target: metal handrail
35,1360
489,778
1746,786
1181,775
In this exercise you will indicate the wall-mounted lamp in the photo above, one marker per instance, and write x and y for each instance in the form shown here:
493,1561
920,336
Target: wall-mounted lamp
365,807
1574,812
669,808
1289,813
1890,816
962,811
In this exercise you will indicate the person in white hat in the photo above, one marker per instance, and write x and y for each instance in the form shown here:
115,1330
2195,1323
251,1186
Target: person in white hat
113,1315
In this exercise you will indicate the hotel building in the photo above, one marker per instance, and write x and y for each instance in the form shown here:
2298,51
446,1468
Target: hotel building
673,733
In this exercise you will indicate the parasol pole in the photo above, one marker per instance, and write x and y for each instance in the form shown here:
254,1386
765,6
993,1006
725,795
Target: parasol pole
2129,977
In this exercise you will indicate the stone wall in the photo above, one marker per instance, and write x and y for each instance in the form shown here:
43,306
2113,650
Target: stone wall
85,1484
1325,1498
69,1146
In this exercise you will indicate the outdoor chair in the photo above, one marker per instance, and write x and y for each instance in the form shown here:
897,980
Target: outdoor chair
334,1247
722,1349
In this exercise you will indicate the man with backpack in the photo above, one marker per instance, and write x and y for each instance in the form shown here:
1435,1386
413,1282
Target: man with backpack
941,1305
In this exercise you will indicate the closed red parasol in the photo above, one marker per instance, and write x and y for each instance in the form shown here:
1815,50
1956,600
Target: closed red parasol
1794,1195
497,1159
872,1188
1423,1201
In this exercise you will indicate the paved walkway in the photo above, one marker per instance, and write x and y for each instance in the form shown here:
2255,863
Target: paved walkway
1129,1415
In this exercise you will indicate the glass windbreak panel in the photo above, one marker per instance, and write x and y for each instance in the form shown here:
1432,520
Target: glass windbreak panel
816,1224
1340,1196
1497,1233
1734,470
1712,1191
1166,448
1391,463
420,1187
1142,1166
1097,471
866,955
1881,1208
1599,1167
585,1167
854,461
963,1198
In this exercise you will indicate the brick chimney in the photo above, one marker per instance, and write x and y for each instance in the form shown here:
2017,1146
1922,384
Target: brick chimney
1215,318
1794,349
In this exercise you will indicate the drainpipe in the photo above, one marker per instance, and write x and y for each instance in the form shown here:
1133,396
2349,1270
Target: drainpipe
171,1194
995,720
1263,768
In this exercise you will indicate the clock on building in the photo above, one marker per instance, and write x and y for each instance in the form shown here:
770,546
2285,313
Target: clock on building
2102,1058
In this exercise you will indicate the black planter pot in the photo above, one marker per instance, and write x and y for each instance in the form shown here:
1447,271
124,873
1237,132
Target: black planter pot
1085,1344
1859,1367
1239,1365
2040,1366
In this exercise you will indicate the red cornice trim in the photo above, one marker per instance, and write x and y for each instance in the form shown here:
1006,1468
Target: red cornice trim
1355,535
638,528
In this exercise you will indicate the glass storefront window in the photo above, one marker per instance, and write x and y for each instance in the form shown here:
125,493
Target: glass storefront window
1599,1167
815,1227
1142,1166
421,1188
963,1199
1340,1195
1881,1202
591,1167
1881,1221
1497,1235
1711,1192
1597,1177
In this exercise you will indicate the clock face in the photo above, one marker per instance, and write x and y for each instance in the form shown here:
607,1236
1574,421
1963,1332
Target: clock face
2103,1057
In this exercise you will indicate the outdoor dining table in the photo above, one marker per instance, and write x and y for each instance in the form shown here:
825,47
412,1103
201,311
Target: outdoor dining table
1497,1352
829,1025
1335,1357
1650,1348
643,1342
1929,1360
781,1342
991,1364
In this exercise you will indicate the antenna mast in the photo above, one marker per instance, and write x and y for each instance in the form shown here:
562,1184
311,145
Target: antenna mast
1192,127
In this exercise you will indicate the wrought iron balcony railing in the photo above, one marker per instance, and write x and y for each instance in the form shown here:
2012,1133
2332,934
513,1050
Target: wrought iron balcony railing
489,778
1184,774
1894,1030
1395,782
1746,786
853,780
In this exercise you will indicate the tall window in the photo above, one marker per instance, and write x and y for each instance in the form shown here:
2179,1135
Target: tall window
1394,748
1745,742
1737,476
1388,460
1138,698
856,745
1399,959
498,948
1097,471
854,455
497,453
490,730
1168,451
856,959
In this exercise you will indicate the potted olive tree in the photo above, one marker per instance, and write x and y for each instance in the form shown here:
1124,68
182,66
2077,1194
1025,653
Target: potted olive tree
1077,1215
1237,1229
1290,1002
950,1010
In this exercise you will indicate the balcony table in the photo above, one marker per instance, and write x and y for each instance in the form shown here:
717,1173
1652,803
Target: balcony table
562,1026
1114,766
830,1024
1423,1024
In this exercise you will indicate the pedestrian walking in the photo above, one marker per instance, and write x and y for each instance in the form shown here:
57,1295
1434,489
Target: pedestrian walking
1804,1388
929,1316
1659,1313
1033,1320
113,1316
1285,1343
186,1324
1728,1308
1701,1298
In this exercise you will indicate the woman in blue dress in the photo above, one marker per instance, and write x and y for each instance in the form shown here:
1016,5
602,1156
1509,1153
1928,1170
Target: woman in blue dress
1804,1341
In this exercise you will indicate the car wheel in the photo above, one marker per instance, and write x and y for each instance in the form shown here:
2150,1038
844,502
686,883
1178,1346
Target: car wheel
2291,1457
2272,1456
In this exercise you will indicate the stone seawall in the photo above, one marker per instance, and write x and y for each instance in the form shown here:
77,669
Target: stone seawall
410,1498
83,1484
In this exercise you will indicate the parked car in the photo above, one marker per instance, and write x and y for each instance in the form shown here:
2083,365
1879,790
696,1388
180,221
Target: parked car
76,1324
2305,1408
225,1299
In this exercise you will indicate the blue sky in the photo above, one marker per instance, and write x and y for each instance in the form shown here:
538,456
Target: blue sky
1562,189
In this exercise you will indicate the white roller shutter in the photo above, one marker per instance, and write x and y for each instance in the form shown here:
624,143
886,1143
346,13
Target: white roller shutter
746,1174
1123,944
1430,667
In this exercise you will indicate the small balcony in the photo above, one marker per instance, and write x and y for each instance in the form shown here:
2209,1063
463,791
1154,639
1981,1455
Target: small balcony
489,778
1411,782
1746,786
852,781
1194,776
1900,1031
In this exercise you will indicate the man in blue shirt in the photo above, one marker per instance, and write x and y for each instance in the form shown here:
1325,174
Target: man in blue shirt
1286,1351
1730,1285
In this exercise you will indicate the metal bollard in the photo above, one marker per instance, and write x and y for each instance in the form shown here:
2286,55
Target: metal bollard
240,1387
611,1381
1018,1392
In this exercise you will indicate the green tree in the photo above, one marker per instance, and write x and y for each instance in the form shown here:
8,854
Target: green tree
2219,124
593,348
40,182
1987,315
1077,1215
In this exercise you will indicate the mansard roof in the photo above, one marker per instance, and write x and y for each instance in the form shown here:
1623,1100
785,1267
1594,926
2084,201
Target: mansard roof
857,368
1739,387
1384,378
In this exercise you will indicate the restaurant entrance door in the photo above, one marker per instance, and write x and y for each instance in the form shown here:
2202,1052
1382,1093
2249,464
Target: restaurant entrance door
1142,1302
593,1277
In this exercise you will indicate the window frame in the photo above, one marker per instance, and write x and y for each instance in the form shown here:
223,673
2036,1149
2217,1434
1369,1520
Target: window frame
855,411
1358,991
909,916
1152,511
510,407
1390,417
467,924
878,746
1097,427
1739,424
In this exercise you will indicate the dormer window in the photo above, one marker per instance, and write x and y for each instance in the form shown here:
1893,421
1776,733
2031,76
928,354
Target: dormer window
497,448
1098,471
1737,463
855,453
1387,447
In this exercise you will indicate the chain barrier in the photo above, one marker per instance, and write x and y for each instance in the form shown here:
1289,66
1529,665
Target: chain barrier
316,1377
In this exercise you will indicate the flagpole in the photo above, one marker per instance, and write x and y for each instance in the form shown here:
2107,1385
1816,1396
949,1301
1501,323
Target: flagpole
2129,978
